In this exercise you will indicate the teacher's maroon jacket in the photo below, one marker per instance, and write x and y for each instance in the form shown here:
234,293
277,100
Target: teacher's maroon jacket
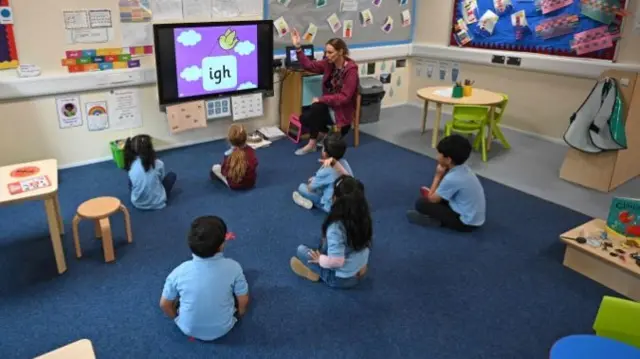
343,101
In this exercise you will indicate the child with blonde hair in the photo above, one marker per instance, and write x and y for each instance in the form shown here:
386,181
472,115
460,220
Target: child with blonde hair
239,167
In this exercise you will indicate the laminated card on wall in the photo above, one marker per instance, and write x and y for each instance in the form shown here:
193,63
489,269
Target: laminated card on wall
246,106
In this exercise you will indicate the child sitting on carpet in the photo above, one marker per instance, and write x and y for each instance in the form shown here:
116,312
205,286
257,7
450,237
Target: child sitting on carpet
318,191
456,198
238,170
341,261
149,184
204,294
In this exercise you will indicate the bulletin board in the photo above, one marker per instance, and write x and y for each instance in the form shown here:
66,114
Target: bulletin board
504,34
299,14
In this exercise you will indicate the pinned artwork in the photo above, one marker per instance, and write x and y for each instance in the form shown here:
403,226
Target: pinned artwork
604,11
503,6
488,22
549,6
461,33
405,16
8,50
134,11
186,116
593,40
470,11
366,18
387,27
334,22
520,24
281,26
347,30
311,32
557,26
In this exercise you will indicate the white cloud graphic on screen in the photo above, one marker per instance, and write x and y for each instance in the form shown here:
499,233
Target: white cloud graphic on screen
191,73
244,48
247,85
189,38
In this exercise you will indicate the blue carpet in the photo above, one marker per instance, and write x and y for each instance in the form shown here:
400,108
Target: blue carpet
500,292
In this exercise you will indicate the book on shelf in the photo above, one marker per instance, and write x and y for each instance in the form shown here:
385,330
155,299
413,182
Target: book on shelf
624,216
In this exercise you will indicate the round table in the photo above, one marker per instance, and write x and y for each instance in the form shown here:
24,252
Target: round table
442,95
592,347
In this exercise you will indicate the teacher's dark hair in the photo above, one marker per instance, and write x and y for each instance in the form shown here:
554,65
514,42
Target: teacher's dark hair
339,44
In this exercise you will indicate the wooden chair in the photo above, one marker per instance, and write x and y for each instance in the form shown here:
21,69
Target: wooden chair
356,122
99,209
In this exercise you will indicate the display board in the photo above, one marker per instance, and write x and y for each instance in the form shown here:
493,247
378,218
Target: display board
373,22
552,27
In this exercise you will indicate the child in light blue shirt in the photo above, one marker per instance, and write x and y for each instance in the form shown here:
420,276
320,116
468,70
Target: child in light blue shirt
204,295
148,182
318,191
456,198
341,259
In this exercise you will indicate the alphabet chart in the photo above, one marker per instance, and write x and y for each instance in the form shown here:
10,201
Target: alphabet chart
28,185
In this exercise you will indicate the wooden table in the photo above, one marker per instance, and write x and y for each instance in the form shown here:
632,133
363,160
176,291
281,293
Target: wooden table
82,349
479,97
49,195
598,264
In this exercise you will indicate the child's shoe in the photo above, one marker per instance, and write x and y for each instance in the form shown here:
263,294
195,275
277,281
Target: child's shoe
301,201
302,270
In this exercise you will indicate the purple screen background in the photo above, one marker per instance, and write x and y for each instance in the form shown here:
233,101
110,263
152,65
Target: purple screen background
188,56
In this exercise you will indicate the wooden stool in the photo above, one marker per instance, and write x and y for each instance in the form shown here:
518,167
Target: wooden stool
99,209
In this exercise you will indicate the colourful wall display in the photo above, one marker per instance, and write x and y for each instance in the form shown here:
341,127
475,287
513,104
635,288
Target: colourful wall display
8,50
104,59
551,27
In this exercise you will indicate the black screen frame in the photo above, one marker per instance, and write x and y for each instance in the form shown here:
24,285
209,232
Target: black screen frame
165,59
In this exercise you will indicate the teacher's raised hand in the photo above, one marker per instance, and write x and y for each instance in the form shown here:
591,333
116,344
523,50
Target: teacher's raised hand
295,38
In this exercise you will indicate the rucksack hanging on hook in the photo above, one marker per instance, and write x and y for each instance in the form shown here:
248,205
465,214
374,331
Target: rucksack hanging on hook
598,125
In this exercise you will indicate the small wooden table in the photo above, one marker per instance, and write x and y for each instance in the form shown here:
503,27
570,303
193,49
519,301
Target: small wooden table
623,276
10,175
479,97
82,349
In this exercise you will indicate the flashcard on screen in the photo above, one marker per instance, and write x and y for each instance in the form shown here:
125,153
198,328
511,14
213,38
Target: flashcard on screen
220,73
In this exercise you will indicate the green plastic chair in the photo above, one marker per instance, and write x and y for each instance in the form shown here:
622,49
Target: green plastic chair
619,319
474,120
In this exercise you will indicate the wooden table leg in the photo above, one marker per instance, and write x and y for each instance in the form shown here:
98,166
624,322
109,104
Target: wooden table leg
492,122
436,125
59,214
54,233
98,230
425,111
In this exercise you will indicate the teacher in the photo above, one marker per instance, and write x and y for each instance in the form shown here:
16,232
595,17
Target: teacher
337,104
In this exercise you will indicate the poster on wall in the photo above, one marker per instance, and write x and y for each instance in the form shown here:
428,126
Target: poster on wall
97,115
69,114
124,109
8,50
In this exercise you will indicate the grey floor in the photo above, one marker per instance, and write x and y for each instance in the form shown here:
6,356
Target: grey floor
531,165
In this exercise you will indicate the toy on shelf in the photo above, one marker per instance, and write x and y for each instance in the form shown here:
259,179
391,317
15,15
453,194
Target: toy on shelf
624,217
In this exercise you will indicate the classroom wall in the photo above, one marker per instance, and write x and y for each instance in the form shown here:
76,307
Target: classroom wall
538,103
29,127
